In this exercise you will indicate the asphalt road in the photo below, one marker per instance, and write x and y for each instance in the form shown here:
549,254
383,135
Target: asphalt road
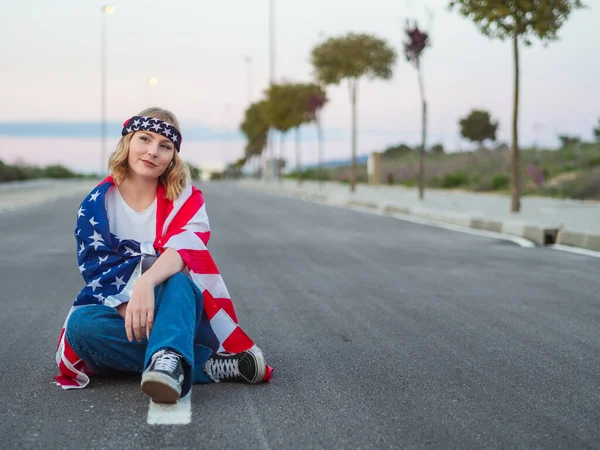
383,334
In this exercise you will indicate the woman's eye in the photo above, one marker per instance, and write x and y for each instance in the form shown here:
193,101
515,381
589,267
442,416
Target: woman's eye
144,138
166,147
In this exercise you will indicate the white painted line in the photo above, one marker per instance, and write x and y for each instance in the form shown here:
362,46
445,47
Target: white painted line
179,413
520,241
577,250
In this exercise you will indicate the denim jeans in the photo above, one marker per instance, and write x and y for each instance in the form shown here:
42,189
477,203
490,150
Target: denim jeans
97,334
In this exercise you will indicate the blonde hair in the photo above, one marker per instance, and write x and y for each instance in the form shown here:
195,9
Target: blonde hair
177,174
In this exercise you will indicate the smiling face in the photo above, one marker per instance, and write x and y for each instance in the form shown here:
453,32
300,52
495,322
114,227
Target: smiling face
149,154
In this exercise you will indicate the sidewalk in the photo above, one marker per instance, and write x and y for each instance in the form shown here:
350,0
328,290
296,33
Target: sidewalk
542,220
23,194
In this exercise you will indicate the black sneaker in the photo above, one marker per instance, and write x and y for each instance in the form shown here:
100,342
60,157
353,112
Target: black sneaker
247,367
163,379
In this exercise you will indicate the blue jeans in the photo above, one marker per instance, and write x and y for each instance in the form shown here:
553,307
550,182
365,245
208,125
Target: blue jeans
97,334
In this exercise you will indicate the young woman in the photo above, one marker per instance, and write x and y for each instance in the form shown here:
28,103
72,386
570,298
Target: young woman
154,302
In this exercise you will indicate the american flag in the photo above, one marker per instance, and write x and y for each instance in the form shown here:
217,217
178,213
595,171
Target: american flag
110,267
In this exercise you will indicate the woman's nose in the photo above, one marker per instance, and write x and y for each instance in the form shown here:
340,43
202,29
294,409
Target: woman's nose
153,149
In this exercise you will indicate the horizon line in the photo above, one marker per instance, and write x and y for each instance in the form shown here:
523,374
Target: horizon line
194,132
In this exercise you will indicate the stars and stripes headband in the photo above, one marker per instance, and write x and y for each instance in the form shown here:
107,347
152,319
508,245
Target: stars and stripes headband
143,123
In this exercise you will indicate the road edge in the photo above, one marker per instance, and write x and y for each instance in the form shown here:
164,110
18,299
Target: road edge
540,235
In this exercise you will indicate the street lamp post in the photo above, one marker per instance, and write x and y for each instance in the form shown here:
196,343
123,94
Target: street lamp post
272,79
108,9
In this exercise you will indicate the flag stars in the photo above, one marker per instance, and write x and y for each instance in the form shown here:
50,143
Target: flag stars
81,248
131,252
102,260
94,196
95,284
93,222
82,268
99,297
97,238
118,282
80,212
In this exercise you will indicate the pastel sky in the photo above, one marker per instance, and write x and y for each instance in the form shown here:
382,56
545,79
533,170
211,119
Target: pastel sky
50,72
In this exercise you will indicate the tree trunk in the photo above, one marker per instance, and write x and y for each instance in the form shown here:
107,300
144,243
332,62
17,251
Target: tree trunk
515,203
321,149
423,134
353,85
298,168
280,158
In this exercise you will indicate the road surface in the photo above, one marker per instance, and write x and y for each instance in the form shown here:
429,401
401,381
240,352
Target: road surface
382,333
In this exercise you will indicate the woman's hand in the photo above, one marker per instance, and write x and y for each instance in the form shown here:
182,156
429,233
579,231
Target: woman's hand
139,315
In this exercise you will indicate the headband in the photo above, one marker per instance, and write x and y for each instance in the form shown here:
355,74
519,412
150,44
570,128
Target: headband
143,123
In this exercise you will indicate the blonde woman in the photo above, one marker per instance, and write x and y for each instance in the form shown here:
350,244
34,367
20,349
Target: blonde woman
154,302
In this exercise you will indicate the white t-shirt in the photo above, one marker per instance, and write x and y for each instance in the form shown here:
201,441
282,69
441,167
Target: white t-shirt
126,223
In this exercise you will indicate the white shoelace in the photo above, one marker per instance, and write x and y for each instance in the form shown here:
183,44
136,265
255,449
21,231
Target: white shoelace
167,362
219,369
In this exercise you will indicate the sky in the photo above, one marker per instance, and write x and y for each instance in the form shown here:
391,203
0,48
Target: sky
50,75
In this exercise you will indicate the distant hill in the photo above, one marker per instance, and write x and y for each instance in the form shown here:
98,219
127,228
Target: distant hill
360,159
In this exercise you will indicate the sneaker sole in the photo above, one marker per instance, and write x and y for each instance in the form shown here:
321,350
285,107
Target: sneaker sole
160,389
260,361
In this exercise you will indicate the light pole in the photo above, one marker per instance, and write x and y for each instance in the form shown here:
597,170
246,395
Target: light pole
228,130
272,79
108,9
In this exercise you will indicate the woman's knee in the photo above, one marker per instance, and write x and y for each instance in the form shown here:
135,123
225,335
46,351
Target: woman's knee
80,325
178,286
181,281
179,278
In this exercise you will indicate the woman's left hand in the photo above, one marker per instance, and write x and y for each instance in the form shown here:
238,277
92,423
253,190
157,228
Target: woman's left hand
139,317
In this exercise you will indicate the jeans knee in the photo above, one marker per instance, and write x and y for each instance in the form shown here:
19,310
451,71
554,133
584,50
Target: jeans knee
179,278
181,281
80,325
178,287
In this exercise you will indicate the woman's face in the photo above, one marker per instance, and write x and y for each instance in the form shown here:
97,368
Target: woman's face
149,154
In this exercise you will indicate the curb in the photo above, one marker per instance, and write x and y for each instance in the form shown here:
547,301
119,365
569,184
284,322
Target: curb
540,234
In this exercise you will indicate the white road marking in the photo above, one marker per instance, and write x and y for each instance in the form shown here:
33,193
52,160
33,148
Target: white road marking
179,413
577,250
520,241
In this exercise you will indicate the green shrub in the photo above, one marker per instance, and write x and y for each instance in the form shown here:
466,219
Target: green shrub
58,171
594,161
456,179
500,182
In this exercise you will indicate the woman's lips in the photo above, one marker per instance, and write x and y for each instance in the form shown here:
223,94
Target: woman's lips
148,163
